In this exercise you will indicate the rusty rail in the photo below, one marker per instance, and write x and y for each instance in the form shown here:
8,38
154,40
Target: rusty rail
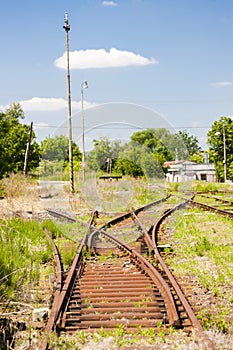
75,266
60,215
61,292
138,260
150,269
128,214
210,208
161,219
175,285
58,284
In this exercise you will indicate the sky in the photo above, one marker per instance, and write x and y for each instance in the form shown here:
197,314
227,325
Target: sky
171,57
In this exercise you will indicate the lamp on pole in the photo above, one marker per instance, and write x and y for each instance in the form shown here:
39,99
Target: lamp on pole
84,85
66,26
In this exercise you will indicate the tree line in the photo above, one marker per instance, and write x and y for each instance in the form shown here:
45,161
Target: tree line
144,154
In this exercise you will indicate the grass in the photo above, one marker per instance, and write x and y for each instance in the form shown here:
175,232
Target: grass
116,196
17,185
116,339
65,236
119,338
24,250
202,245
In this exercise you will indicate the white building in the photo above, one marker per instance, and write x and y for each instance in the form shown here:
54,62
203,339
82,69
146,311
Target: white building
179,171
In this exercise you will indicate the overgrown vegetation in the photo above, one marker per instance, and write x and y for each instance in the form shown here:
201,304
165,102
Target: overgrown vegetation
24,249
202,246
17,185
113,339
66,236
14,138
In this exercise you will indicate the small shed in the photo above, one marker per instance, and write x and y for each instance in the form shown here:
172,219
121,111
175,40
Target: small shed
179,171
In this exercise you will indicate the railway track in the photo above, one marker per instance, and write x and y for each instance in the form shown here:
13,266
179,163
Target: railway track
213,207
110,284
115,288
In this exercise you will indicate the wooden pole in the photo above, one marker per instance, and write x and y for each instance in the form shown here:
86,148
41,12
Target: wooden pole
27,153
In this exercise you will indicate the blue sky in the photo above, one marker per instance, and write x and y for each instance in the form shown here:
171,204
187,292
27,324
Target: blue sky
174,57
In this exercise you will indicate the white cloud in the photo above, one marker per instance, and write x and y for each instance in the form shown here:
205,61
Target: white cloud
40,104
43,104
109,3
49,104
222,84
86,59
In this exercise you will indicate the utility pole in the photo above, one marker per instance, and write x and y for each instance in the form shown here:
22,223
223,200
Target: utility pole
66,26
25,169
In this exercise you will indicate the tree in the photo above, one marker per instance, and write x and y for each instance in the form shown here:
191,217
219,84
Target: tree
190,142
14,137
166,145
104,150
144,154
137,160
127,167
15,112
152,138
128,162
55,155
215,142
55,148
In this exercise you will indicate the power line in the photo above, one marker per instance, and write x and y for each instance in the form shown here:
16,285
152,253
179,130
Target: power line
122,127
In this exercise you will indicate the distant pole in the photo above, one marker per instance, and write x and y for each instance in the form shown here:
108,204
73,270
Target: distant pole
25,169
224,154
83,86
66,26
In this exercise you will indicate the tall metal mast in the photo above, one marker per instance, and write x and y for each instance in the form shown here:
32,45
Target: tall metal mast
66,26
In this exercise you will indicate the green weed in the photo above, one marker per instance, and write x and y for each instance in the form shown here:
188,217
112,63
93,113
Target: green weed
202,246
24,250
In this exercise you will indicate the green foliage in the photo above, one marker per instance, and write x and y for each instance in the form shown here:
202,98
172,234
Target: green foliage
216,146
202,246
127,167
67,250
2,192
23,249
161,330
143,155
167,146
64,235
104,154
14,112
157,141
55,148
202,186
72,231
55,157
138,160
14,138
210,320
52,228
197,157
190,142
